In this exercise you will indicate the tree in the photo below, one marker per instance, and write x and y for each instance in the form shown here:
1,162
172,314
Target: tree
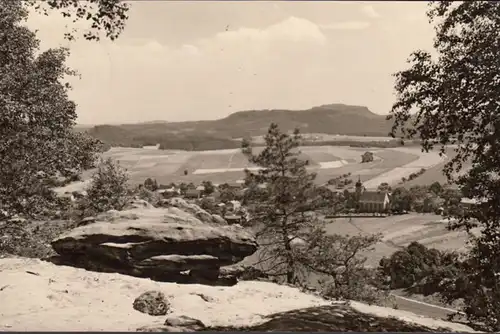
286,209
436,188
455,99
151,184
339,258
384,187
107,15
37,117
401,200
209,187
108,189
367,157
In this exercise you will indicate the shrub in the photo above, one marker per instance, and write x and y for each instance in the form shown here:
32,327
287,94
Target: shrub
152,197
30,239
420,268
108,190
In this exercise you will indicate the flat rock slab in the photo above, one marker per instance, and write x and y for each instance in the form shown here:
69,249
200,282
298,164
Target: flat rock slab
158,241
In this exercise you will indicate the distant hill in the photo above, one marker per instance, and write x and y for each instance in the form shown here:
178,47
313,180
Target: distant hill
328,119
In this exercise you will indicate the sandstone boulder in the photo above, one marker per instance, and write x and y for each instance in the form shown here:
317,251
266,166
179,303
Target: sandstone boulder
159,243
153,303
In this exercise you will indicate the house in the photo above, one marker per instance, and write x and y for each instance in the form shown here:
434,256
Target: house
374,201
200,188
236,185
468,203
233,219
168,193
234,205
151,147
192,193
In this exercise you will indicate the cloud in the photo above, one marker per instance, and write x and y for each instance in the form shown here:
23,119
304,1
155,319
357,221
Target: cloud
349,25
245,68
370,12
293,29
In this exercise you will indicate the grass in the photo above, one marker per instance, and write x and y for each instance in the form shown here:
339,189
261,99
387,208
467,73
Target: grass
399,231
169,165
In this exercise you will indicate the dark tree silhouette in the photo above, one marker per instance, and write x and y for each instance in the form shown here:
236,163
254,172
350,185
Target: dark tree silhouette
456,101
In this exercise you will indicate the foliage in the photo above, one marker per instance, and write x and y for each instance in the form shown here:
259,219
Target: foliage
456,101
107,15
150,196
436,188
209,187
384,187
285,209
340,261
37,142
108,189
294,242
367,157
30,238
150,184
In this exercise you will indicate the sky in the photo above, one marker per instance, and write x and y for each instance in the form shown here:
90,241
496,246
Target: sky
194,60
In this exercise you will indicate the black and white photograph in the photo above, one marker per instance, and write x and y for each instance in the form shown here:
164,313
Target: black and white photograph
255,166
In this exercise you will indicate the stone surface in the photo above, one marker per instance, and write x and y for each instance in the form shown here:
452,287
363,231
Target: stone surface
153,303
158,243
193,209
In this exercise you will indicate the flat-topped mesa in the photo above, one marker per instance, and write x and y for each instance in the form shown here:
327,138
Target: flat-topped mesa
159,243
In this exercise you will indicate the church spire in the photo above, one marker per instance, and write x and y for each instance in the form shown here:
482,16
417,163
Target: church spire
359,184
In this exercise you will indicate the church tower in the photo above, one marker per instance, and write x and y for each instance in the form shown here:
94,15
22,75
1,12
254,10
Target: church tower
359,186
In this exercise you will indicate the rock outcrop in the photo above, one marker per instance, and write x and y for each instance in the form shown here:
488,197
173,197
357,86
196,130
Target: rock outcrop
193,209
166,244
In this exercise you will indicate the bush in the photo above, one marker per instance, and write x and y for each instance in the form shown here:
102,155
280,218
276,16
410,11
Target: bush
337,259
152,197
419,268
30,239
108,190
367,157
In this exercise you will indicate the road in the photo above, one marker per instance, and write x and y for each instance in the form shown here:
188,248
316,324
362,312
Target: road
423,309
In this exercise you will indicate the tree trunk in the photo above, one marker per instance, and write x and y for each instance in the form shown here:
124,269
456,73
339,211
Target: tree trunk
289,266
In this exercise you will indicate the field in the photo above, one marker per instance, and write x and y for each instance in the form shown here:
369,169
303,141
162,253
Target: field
399,231
220,166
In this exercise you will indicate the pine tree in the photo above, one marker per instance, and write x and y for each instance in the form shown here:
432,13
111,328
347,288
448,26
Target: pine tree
286,207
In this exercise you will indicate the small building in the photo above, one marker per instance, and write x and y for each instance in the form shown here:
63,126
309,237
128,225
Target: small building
374,201
468,203
233,219
201,188
168,193
234,205
236,185
192,193
151,147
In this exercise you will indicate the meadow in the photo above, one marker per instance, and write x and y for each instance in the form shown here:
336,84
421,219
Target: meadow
399,231
220,166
